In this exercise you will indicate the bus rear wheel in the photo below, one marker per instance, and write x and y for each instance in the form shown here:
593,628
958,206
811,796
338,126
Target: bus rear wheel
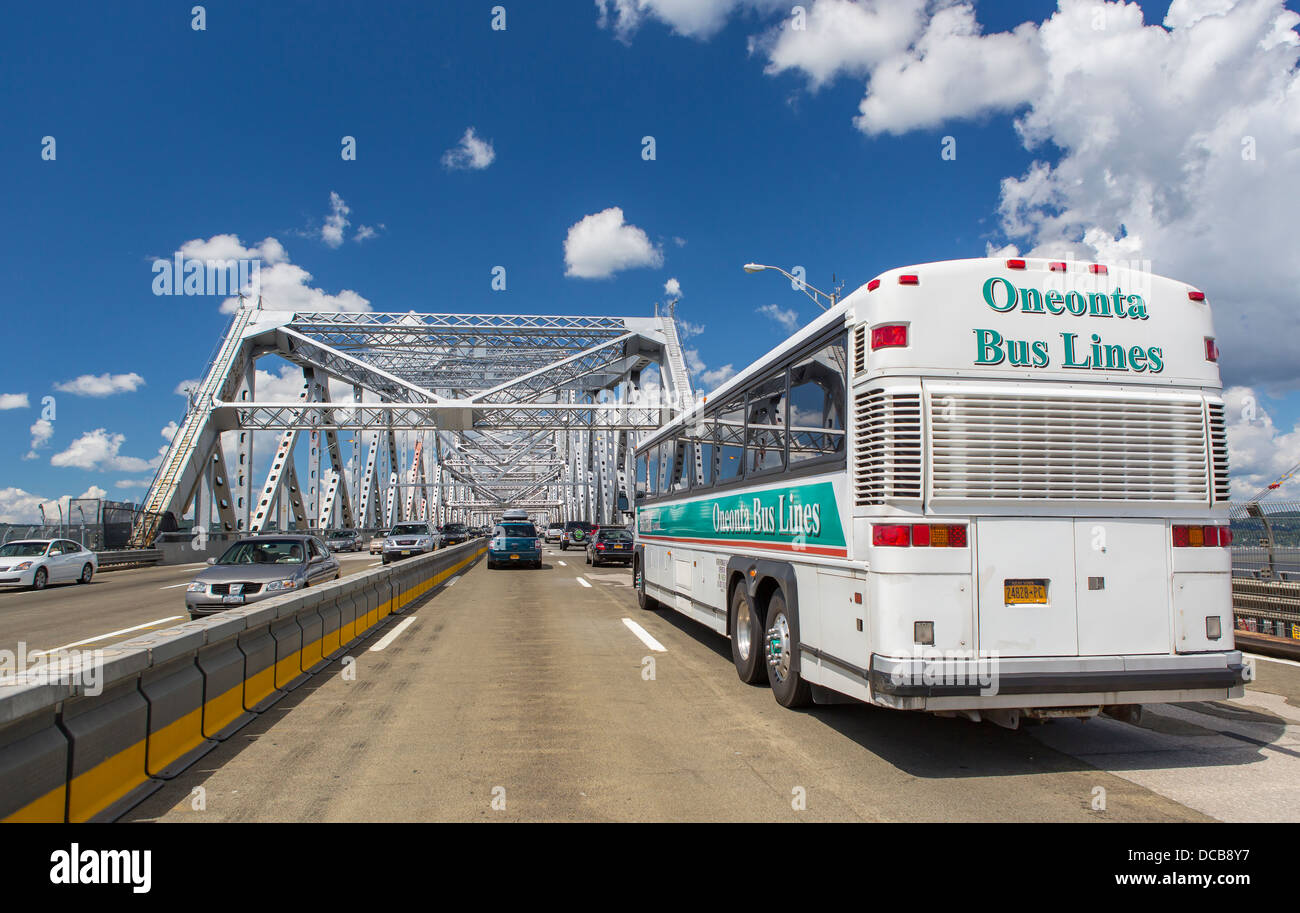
643,599
746,639
781,653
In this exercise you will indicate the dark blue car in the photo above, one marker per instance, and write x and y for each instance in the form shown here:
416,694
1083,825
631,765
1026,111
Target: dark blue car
514,542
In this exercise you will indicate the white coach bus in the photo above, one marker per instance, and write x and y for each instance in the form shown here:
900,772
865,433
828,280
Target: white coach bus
993,488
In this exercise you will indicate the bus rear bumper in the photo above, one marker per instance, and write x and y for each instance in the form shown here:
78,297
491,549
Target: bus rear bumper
918,683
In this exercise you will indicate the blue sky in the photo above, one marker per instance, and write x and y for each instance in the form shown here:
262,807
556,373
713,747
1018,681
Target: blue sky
165,135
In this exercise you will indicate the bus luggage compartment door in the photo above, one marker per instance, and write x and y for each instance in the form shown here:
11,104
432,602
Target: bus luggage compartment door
1026,584
1123,586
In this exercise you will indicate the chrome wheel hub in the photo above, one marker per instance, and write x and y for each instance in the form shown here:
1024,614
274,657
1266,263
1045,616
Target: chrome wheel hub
778,647
744,640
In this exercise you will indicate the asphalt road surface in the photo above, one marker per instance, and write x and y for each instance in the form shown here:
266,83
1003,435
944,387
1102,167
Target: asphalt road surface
114,606
524,695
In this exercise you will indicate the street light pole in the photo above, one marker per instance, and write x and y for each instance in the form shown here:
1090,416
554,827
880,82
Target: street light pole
804,287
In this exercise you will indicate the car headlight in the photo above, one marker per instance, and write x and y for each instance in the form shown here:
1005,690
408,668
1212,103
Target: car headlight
279,585
197,588
22,567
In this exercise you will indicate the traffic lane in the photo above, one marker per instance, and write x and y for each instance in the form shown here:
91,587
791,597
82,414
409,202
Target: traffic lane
523,695
119,604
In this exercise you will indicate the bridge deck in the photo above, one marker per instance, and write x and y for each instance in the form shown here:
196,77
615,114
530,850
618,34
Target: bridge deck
528,681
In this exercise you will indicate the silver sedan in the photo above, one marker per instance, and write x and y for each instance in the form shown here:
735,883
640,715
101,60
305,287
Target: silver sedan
255,569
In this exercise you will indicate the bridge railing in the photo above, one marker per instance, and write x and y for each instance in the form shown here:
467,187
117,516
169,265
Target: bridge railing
1266,568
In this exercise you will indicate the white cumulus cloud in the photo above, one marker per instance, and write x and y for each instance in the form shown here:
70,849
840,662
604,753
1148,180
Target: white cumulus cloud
787,318
41,431
13,401
602,244
99,450
470,154
102,384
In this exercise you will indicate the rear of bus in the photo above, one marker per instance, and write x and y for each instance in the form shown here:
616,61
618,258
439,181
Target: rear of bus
1040,489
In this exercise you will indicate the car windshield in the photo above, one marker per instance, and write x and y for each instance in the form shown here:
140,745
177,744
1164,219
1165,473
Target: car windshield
410,529
265,551
586,527
620,534
23,549
341,534
519,530
454,528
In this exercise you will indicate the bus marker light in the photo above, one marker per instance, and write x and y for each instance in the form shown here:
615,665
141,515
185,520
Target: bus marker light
923,633
909,279
1057,267
893,336
1099,269
873,285
1196,296
857,598
1211,349
1015,264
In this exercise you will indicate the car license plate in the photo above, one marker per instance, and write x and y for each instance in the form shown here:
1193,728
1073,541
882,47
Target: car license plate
407,552
618,548
1025,592
232,600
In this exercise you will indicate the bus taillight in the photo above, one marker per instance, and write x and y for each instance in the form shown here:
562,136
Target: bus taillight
1211,349
1202,536
919,535
898,536
891,336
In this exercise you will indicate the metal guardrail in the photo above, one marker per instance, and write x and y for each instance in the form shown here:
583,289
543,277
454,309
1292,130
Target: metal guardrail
130,557
91,737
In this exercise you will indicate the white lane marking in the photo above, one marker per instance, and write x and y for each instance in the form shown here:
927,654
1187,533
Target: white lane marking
644,636
392,635
377,563
1272,659
91,640
452,581
583,582
562,564
174,585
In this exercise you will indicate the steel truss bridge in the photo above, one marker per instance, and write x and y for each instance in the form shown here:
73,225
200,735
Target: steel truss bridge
445,418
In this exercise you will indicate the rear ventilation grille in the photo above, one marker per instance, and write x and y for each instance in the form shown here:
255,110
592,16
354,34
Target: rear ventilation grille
1219,449
1009,446
887,457
859,351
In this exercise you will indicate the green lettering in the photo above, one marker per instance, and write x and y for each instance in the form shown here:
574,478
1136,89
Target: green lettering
1054,302
1069,353
990,345
991,298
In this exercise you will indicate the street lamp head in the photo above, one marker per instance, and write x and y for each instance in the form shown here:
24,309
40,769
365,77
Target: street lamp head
754,267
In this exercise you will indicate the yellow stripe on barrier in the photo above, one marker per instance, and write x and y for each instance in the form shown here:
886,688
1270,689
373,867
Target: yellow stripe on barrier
289,668
109,780
45,810
330,642
224,709
176,739
259,686
311,653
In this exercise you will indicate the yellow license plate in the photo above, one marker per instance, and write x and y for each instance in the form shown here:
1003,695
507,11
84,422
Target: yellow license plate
1025,592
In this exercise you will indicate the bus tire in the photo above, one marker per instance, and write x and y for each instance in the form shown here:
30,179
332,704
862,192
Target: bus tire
747,639
781,655
645,601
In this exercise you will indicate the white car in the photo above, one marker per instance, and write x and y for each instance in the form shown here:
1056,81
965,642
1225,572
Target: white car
36,563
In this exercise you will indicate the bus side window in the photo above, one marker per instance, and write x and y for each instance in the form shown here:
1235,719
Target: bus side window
729,438
641,474
652,473
683,465
704,459
666,467
817,404
766,424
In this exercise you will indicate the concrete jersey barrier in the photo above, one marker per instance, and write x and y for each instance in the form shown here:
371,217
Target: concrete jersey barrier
94,740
